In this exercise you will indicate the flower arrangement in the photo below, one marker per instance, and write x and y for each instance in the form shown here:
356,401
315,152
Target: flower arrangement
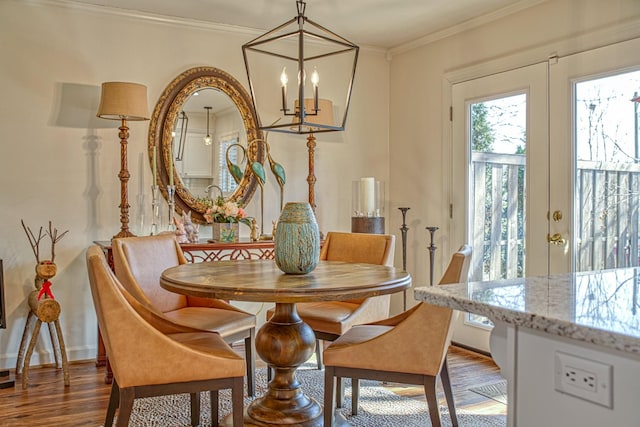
223,211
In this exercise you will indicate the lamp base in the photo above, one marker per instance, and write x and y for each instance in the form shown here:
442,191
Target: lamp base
124,233
363,224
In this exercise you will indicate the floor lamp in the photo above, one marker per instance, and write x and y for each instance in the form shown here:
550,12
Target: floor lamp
123,101
324,115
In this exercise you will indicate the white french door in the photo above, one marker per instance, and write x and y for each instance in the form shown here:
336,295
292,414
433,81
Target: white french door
594,167
499,182
546,170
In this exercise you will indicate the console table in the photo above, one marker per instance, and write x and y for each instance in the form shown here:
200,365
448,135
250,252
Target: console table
205,251
196,252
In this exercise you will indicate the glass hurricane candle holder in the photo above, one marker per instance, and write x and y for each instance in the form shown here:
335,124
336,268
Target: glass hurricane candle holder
367,214
171,192
155,209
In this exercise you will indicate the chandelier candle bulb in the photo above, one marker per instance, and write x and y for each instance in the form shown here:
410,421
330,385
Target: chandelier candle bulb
284,80
315,79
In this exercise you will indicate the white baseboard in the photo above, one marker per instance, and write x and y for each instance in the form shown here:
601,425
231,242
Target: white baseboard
46,357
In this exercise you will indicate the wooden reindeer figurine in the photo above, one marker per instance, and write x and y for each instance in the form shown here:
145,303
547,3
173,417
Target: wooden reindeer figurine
43,308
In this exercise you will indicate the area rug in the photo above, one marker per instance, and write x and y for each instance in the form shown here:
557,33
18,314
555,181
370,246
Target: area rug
496,391
379,407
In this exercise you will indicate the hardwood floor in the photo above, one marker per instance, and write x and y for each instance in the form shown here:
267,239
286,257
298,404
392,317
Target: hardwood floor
47,402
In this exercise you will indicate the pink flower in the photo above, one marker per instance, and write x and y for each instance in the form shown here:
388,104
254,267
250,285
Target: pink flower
225,211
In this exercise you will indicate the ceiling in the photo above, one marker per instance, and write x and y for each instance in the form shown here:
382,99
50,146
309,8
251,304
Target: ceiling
376,23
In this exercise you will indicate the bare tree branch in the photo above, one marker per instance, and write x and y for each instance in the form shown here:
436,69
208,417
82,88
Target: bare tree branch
53,235
35,242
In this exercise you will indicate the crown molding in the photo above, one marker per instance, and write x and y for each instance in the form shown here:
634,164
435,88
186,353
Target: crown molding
145,16
165,19
465,26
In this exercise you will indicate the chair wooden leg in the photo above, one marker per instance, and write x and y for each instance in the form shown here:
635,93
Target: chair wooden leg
446,385
215,413
195,408
237,402
319,345
126,406
250,360
329,396
355,395
339,392
432,400
114,402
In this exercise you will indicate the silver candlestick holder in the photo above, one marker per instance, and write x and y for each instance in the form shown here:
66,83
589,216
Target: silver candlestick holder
155,209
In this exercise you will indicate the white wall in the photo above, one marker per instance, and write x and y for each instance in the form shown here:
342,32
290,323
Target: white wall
59,163
420,134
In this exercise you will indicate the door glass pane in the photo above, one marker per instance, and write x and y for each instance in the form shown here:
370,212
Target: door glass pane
607,181
497,182
497,198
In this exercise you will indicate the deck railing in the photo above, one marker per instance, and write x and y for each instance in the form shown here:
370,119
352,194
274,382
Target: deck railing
607,232
609,196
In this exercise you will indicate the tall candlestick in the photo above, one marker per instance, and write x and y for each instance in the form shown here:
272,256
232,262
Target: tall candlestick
432,250
155,209
154,167
404,230
171,163
367,187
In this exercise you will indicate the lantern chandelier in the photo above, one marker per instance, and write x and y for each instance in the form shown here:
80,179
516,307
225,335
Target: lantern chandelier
320,64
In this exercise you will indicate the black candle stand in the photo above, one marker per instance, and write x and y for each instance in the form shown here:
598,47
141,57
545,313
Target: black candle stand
432,252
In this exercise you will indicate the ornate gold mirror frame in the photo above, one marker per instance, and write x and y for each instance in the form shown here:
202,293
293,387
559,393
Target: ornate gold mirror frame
163,122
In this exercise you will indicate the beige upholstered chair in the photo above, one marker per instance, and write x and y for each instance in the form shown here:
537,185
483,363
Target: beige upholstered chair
151,356
139,262
409,348
330,319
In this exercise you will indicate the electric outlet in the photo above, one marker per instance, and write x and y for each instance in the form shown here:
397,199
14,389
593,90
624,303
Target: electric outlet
584,378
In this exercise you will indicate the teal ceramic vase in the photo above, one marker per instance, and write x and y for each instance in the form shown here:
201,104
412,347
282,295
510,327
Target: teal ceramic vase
297,239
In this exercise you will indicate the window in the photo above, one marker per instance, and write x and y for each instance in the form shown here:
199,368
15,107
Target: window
226,149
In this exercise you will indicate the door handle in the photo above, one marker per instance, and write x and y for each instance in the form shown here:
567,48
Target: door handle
556,239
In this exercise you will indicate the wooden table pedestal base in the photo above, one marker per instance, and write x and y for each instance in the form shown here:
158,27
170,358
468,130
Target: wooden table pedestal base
339,421
284,342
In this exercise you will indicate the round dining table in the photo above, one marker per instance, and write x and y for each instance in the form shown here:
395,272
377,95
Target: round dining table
285,341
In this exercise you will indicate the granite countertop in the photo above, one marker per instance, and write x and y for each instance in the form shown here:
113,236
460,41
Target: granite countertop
601,307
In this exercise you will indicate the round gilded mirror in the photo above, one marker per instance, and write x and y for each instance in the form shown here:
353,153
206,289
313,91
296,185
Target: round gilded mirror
203,121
